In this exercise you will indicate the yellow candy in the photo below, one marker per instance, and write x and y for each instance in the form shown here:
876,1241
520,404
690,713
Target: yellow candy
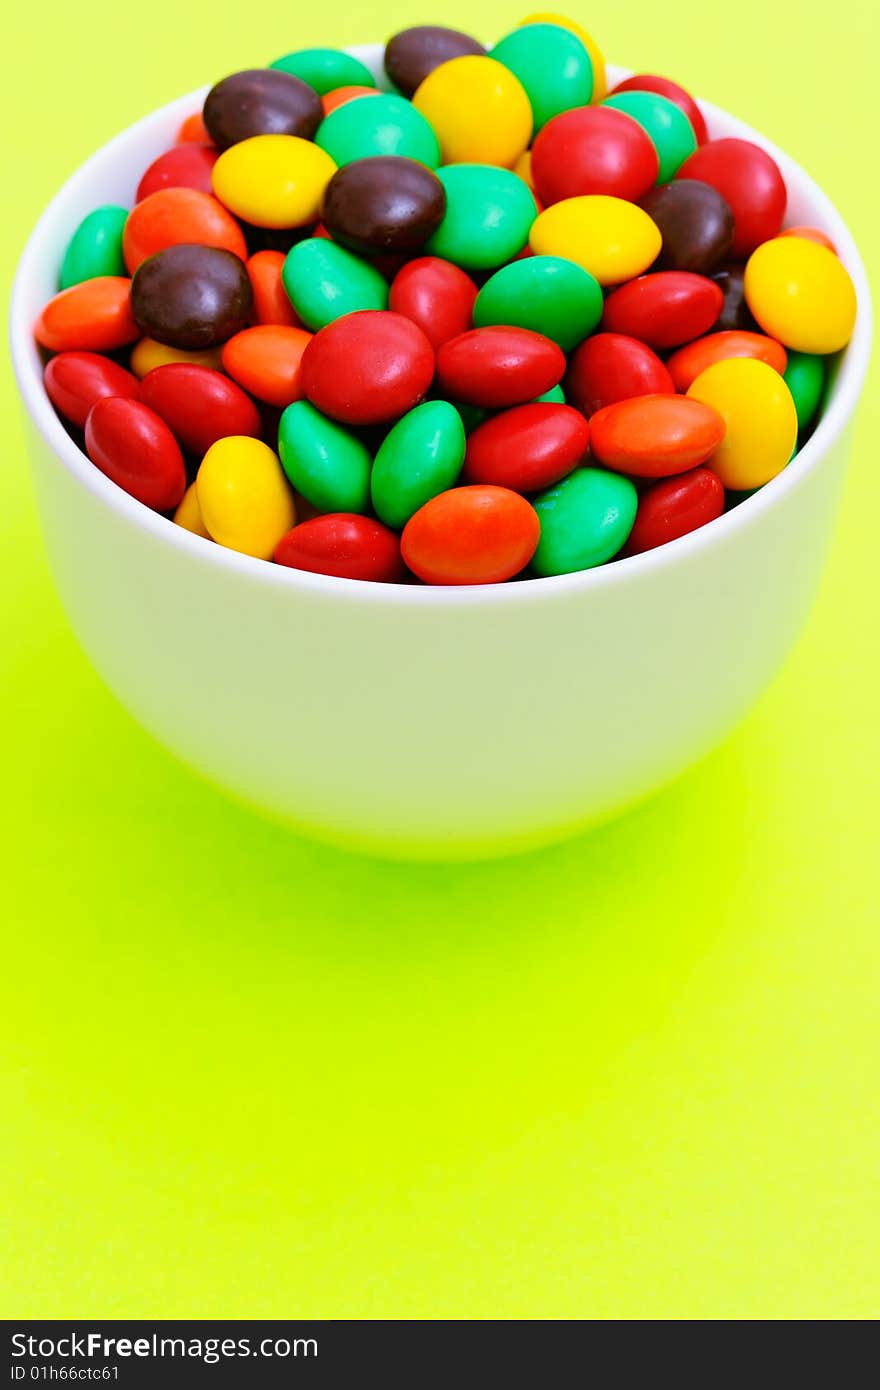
761,419
479,111
600,84
244,497
523,168
273,180
611,238
189,514
148,354
801,293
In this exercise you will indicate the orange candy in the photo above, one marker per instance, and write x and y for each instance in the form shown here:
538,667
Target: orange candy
685,365
94,316
811,234
655,436
173,216
471,535
193,129
271,304
340,95
266,360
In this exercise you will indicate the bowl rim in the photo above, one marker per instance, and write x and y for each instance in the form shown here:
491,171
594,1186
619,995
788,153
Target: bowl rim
27,367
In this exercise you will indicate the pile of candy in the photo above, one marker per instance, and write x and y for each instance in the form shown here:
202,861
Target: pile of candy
498,323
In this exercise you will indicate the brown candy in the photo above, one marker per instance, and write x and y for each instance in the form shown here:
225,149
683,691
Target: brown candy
696,224
413,53
261,101
384,203
736,312
191,296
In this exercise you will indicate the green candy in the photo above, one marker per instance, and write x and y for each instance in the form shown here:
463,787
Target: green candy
805,378
385,124
324,281
489,213
553,66
668,127
420,457
548,294
585,520
325,462
325,69
95,247
555,396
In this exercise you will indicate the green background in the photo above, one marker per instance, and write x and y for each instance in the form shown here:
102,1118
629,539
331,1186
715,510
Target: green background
634,1076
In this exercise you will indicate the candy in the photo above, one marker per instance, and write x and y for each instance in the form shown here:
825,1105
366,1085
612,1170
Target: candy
584,521
489,212
654,436
695,222
611,367
94,316
497,367
811,234
271,304
325,462
612,239
805,378
261,101
685,365
760,418
802,294
593,150
735,313
664,309
665,123
648,82
137,451
189,514
266,360
193,129
95,247
244,497
478,109
471,535
324,281
436,295
589,43
340,95
553,66
386,124
366,368
74,381
413,53
674,507
186,166
198,405
191,296
325,68
547,294
147,354
420,457
527,448
273,180
385,203
177,217
344,545
749,179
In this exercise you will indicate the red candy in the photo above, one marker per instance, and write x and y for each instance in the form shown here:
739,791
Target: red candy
497,367
93,316
665,87
345,545
673,508
271,304
750,180
612,367
471,535
593,149
186,166
179,215
199,405
685,365
367,367
137,450
665,309
527,448
74,381
436,295
654,436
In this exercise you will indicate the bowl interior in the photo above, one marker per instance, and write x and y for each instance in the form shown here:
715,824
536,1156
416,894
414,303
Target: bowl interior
112,175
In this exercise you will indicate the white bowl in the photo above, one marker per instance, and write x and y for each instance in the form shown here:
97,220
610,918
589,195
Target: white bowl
418,721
